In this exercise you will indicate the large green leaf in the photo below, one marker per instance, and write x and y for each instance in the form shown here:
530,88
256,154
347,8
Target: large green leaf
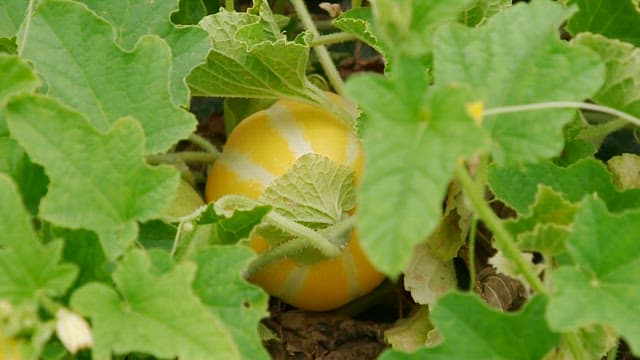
603,287
12,13
152,310
251,58
101,80
239,304
99,181
136,18
27,268
472,330
414,139
518,58
618,19
517,185
620,89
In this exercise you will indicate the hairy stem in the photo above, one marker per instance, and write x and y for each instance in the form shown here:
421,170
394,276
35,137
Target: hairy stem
574,346
598,132
321,51
611,355
564,105
310,236
229,5
333,38
204,144
356,4
472,253
503,238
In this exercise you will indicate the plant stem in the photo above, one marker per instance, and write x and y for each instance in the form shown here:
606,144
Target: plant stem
310,236
502,236
611,355
229,5
27,27
574,346
598,132
275,254
333,38
186,156
563,105
321,51
204,144
356,4
472,253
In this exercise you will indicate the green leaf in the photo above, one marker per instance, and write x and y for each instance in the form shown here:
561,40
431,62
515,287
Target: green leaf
517,185
249,59
27,268
407,27
479,11
416,139
151,312
8,45
548,208
473,330
594,341
603,287
99,181
618,19
239,304
315,191
136,18
83,249
625,170
12,13
101,80
620,89
17,78
518,58
359,22
233,225
29,177
190,12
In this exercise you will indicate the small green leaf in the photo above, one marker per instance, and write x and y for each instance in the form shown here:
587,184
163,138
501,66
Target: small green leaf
12,13
190,12
518,58
548,208
517,185
249,59
620,89
473,330
231,225
101,80
29,177
618,19
359,22
549,239
239,304
27,268
154,313
98,181
17,77
626,171
416,139
479,11
316,191
603,287
407,27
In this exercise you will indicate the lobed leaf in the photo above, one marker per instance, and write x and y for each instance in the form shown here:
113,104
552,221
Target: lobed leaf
134,19
239,304
27,268
415,138
98,181
153,311
518,58
603,284
473,330
101,80
621,88
517,185
618,19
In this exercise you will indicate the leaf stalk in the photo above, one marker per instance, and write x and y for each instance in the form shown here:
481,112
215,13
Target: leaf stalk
502,236
321,51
